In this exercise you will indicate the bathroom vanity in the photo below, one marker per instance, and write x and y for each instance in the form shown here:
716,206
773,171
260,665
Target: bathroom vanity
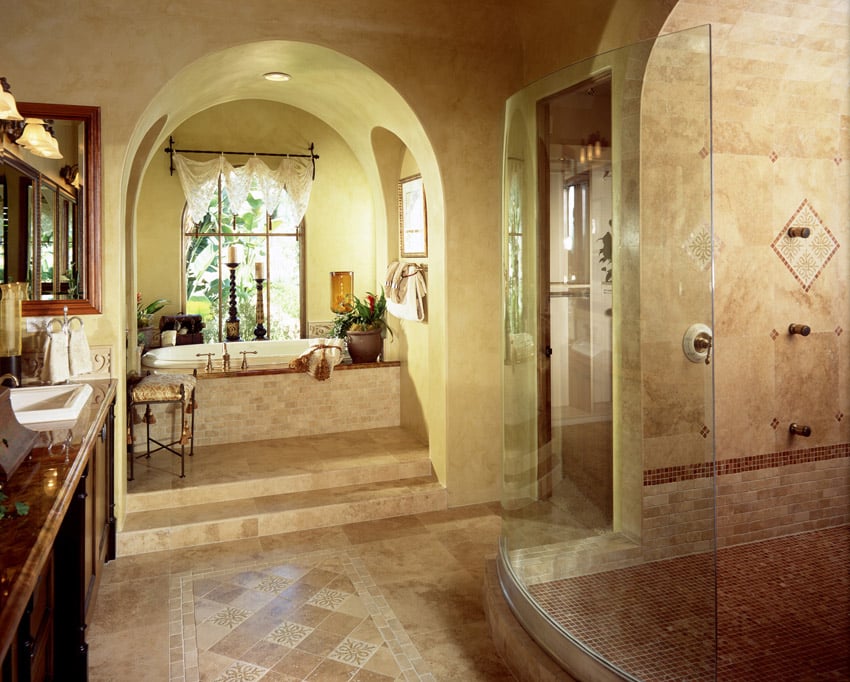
52,549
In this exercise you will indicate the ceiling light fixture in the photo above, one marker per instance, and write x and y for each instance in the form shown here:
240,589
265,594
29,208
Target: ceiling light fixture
277,76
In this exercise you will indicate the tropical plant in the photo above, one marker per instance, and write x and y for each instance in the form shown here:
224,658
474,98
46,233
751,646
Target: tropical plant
365,315
145,312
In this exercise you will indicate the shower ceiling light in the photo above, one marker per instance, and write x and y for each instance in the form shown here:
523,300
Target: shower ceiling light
277,76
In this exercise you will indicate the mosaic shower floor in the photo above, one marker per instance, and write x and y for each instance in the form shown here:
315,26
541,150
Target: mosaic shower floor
783,612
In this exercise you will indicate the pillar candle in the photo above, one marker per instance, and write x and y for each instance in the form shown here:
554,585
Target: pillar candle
232,254
259,270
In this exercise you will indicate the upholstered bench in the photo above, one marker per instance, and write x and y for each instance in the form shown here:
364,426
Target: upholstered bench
155,389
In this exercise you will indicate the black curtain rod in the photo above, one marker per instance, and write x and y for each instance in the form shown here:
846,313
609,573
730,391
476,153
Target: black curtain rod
171,151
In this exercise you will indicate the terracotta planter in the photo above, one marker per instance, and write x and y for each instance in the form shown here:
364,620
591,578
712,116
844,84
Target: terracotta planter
365,346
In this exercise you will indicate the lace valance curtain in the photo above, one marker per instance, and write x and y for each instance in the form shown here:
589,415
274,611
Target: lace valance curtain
286,189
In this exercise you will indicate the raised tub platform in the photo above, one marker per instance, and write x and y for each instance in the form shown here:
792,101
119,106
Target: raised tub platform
264,403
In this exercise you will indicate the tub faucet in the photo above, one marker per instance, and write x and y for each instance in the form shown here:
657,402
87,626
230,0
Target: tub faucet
225,360
245,354
6,377
209,366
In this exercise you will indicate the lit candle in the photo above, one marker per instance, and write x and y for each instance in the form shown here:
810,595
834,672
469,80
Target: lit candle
233,253
259,270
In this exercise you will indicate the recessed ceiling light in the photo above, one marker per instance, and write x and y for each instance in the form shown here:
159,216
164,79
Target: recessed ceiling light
279,76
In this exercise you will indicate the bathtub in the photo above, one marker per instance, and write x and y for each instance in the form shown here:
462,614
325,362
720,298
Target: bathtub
185,358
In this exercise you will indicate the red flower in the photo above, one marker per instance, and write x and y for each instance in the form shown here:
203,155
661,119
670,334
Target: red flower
371,300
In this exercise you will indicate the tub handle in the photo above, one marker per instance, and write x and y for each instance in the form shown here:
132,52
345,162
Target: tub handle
245,353
209,356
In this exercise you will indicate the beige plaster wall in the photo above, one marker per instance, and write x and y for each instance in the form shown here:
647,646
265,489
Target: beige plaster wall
454,64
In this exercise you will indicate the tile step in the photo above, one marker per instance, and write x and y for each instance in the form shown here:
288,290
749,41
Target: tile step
303,481
209,523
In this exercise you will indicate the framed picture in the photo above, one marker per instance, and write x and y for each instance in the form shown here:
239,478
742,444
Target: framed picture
412,218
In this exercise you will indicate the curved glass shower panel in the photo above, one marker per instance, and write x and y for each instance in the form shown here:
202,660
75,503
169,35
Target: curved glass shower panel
608,491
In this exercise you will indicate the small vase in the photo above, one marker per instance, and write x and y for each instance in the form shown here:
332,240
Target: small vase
365,346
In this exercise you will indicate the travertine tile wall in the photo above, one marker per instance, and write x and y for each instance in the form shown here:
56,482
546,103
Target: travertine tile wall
269,406
781,156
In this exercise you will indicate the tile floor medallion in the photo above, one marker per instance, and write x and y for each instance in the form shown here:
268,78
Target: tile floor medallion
317,616
805,257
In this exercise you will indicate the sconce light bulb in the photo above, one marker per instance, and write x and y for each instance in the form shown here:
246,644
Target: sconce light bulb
9,108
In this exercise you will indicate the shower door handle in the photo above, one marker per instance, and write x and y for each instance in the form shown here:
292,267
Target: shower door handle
547,351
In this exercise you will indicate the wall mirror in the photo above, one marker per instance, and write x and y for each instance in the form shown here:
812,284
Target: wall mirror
50,217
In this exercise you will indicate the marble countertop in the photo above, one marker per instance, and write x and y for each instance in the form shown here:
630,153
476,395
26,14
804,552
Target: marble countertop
45,481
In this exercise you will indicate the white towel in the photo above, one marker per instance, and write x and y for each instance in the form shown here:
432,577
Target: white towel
56,367
79,352
412,306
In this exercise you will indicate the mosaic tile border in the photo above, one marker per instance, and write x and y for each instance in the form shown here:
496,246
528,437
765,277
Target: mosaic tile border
689,472
182,623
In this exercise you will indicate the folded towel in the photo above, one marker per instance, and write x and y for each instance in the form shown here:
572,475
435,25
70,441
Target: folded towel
56,368
412,305
79,352
320,359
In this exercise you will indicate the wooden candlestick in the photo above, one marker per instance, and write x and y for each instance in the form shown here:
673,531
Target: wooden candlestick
231,326
260,330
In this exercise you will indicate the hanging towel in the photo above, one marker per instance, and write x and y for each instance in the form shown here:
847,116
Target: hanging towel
320,359
56,368
393,282
413,289
79,352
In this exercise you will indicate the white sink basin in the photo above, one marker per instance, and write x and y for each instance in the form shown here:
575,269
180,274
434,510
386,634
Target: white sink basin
44,408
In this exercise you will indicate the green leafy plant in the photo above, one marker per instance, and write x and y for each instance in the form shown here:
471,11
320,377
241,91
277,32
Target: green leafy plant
366,314
145,312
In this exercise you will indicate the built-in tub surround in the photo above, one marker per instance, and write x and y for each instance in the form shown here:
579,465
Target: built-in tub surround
188,357
264,403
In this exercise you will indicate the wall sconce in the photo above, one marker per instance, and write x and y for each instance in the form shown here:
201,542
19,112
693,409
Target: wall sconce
342,291
8,106
37,138
71,175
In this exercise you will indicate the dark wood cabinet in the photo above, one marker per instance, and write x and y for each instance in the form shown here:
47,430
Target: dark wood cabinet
50,641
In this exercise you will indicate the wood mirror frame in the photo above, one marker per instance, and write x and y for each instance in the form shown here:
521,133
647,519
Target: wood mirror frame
91,272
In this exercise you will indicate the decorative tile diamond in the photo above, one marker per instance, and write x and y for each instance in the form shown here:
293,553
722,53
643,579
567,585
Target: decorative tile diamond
328,599
773,156
704,431
353,652
698,247
703,152
774,423
229,617
773,334
839,331
805,258
838,160
241,672
289,634
839,416
273,583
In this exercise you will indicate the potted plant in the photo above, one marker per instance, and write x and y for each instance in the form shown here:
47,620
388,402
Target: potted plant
144,315
363,327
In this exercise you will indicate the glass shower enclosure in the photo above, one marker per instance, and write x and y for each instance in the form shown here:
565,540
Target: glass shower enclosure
607,552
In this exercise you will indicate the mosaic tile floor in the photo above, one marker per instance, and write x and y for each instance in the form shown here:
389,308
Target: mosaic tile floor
783,612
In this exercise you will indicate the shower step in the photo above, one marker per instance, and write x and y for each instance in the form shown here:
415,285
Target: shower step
235,519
